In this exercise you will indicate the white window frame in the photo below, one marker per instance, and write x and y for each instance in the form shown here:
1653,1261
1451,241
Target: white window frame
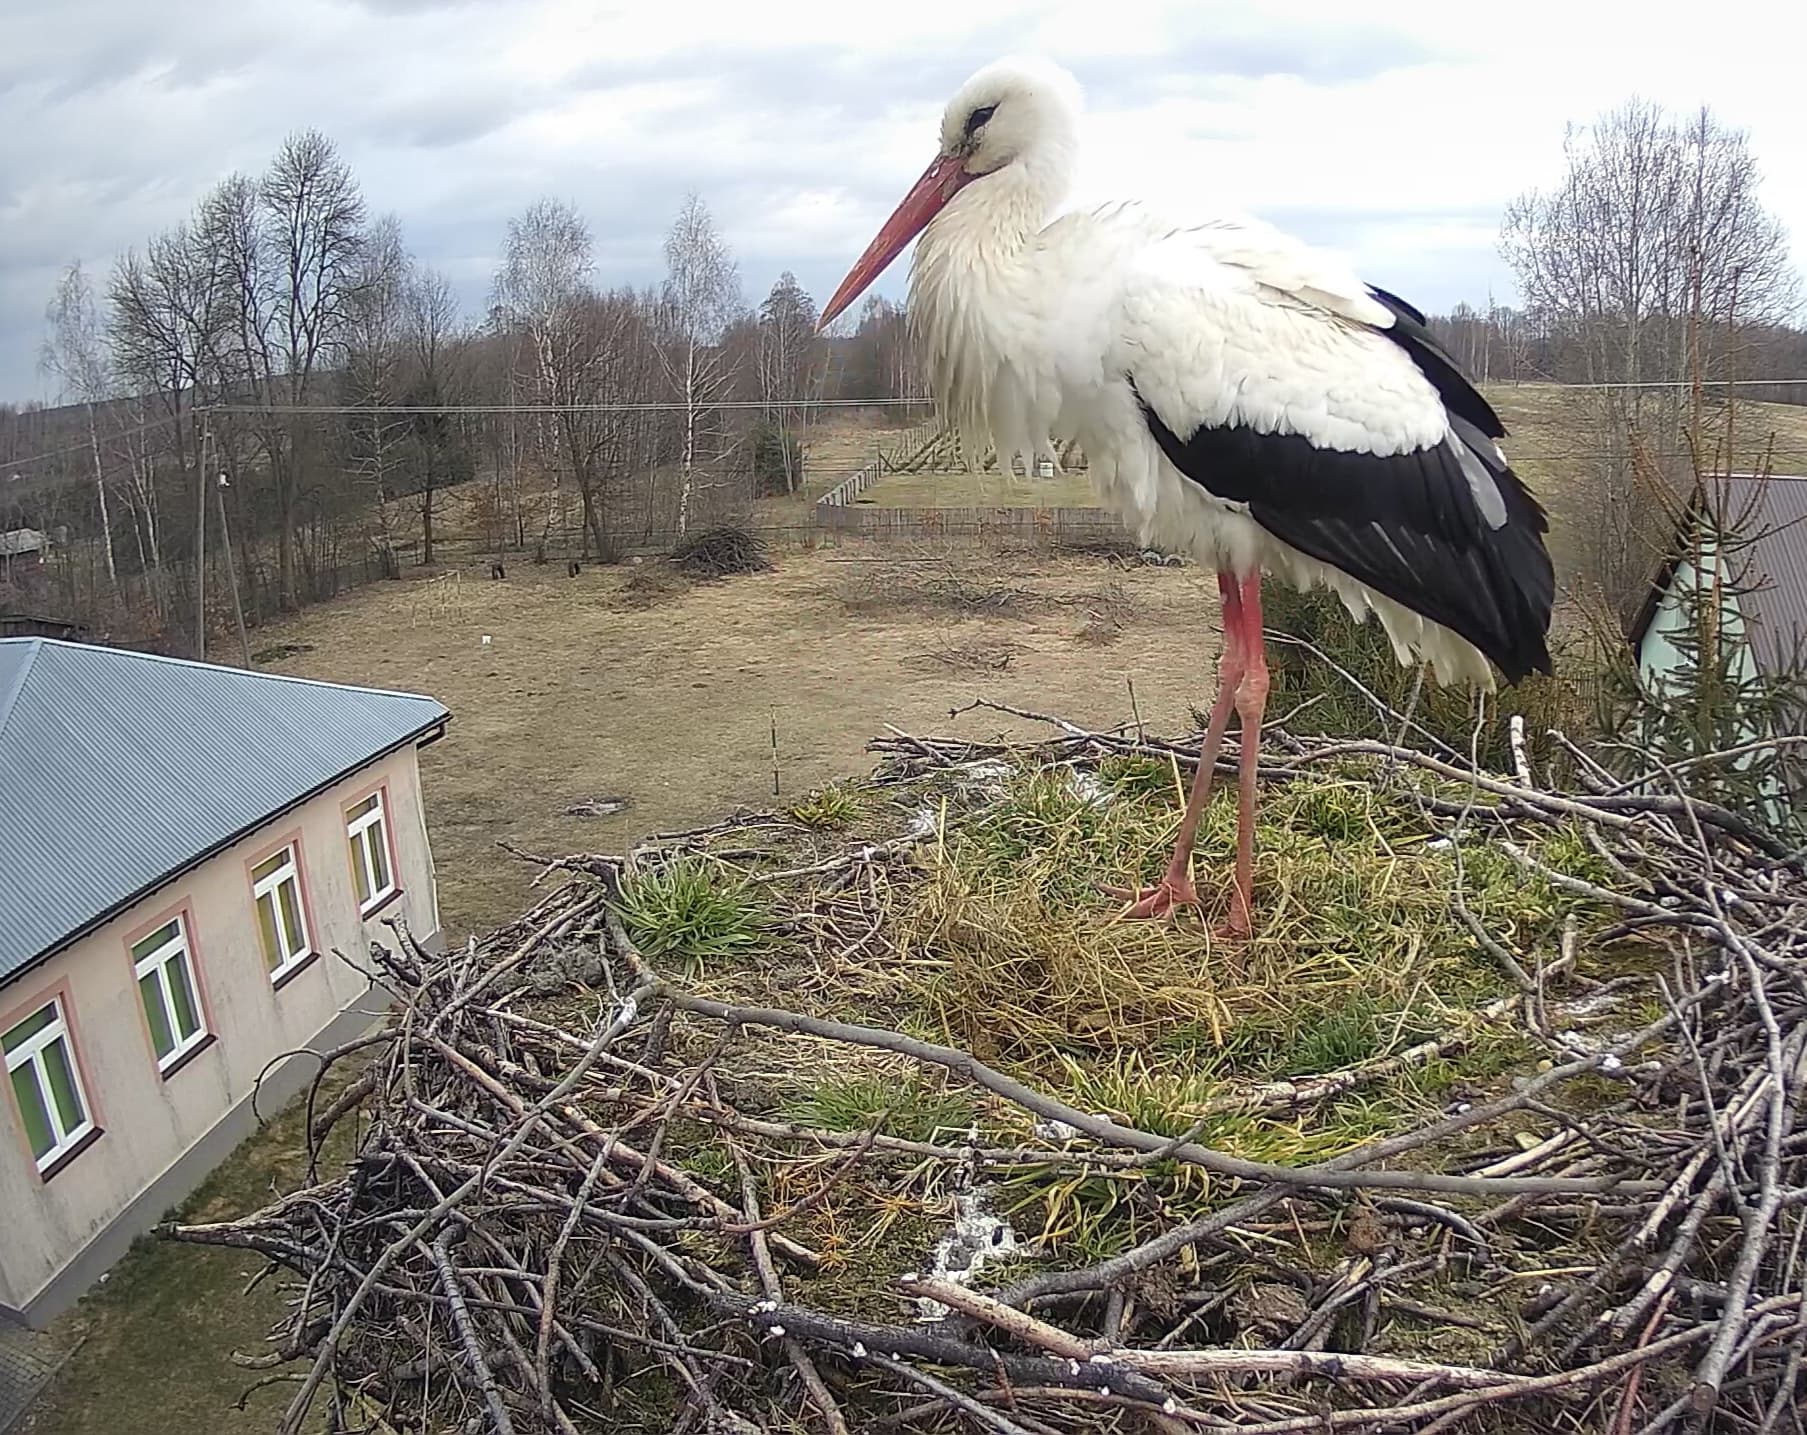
363,831
287,870
176,950
31,1053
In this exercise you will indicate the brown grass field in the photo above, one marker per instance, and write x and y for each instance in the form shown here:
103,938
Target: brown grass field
632,682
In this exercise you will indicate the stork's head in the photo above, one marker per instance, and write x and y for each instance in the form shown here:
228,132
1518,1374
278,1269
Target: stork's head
1014,112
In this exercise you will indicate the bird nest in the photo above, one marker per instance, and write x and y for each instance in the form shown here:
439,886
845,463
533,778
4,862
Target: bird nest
868,1114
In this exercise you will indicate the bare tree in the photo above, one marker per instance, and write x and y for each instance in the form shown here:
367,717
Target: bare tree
165,330
436,348
702,294
1647,262
543,289
75,354
789,363
372,378
313,224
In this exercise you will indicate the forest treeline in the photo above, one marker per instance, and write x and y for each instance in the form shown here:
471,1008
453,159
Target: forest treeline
592,418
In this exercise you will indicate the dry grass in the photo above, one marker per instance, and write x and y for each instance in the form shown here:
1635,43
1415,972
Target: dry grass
1014,951
981,656
993,933
635,682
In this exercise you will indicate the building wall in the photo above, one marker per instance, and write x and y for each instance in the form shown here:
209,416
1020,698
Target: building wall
161,1134
1658,655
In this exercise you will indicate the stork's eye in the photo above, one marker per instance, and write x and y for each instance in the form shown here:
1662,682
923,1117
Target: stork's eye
977,118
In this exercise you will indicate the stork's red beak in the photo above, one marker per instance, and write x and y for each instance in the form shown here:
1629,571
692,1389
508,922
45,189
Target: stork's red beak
939,183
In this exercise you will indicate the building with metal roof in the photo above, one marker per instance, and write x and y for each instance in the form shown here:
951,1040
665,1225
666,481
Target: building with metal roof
193,861
119,770
1765,562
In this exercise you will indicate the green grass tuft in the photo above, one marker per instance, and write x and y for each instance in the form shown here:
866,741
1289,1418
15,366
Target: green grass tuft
828,809
908,1108
690,911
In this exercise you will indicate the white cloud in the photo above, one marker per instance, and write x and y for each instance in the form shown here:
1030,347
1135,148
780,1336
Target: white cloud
1396,137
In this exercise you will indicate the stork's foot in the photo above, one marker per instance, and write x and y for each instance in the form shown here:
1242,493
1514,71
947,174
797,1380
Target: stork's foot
1163,899
1237,926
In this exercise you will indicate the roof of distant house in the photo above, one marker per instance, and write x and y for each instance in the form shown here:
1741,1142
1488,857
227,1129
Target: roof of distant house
121,770
1772,567
22,540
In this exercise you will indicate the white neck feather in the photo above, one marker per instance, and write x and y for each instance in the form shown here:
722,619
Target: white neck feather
975,307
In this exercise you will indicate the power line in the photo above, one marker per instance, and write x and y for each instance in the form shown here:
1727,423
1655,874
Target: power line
662,407
133,432
1661,384
923,400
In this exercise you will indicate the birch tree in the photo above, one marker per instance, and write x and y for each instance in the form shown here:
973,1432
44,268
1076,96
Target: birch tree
75,354
702,293
543,288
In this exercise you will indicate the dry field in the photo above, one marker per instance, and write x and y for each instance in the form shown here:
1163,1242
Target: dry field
631,683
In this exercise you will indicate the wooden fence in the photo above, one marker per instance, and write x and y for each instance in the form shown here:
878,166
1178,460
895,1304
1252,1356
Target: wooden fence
906,452
1051,527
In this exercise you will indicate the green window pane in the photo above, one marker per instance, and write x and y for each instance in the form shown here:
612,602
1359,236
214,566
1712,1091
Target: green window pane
181,992
164,934
28,1028
32,1108
360,869
268,865
266,924
367,805
291,916
62,1085
151,989
379,856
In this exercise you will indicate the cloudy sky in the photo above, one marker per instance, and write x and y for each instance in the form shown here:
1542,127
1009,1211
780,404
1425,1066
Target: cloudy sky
1396,138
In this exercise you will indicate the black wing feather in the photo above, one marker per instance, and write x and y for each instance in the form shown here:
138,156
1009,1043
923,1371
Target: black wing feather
1410,330
1406,525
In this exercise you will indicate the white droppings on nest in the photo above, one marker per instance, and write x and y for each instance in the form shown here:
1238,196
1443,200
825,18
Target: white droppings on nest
1054,1129
923,823
977,1239
988,775
1591,1005
1088,787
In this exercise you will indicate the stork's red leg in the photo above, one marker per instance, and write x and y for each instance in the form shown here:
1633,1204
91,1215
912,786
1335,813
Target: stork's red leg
1175,889
1251,703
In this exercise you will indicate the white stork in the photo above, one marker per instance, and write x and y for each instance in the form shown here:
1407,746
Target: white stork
1240,398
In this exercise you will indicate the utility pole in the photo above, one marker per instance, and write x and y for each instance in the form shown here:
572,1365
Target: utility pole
201,553
238,608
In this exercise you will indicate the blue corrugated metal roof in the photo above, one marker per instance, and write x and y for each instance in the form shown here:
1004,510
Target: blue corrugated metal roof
118,770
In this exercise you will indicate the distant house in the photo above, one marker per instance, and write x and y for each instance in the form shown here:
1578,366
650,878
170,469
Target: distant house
182,849
22,554
1767,563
